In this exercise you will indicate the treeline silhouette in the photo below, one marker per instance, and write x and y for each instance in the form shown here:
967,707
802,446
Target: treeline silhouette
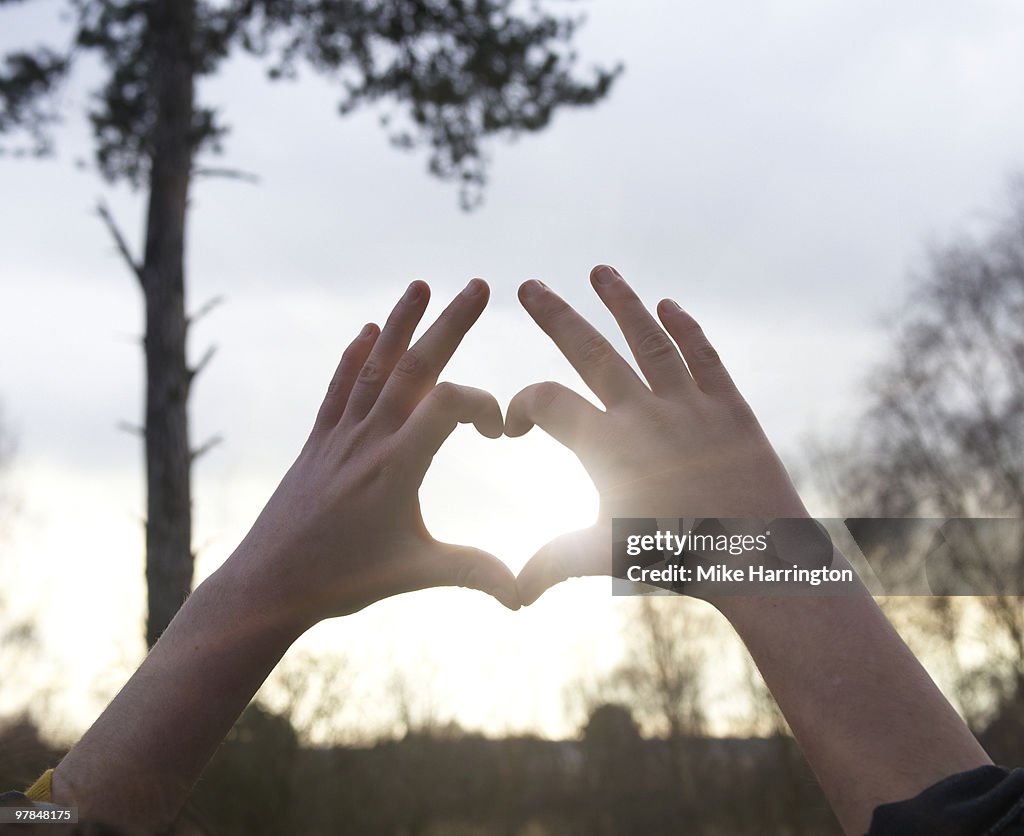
610,780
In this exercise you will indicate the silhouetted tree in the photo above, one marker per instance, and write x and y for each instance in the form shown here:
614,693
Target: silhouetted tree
611,737
24,752
311,690
456,73
942,435
248,785
791,802
662,675
615,766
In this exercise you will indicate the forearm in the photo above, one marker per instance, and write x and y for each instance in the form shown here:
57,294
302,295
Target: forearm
873,725
138,762
342,530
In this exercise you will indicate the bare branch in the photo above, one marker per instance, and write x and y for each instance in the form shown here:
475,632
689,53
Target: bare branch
119,241
132,429
206,447
202,364
215,302
228,174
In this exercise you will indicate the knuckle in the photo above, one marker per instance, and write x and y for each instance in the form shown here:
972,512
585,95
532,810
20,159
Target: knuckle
692,332
446,394
661,418
706,353
410,364
370,372
655,345
699,345
546,393
595,350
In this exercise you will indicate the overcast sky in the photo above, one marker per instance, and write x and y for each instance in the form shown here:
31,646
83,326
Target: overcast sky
777,167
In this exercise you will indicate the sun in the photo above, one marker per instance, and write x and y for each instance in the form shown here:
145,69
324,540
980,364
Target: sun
507,496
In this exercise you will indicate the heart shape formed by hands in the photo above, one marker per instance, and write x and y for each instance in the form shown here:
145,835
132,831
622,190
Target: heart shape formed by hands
683,443
344,529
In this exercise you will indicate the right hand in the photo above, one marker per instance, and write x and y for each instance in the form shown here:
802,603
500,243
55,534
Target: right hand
683,444
343,529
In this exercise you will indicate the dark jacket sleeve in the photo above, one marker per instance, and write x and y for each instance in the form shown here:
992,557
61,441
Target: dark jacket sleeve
988,801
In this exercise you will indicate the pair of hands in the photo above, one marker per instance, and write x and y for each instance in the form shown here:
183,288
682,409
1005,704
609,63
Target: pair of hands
344,527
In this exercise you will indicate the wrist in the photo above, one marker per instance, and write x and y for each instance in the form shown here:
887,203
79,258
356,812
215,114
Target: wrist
758,611
248,589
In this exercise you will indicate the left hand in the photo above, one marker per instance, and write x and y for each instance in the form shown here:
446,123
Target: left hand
683,443
343,529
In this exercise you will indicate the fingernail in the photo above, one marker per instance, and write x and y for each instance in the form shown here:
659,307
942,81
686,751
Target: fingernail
367,330
673,305
474,288
534,287
413,293
603,274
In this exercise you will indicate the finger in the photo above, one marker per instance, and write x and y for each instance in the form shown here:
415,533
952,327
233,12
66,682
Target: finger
559,411
444,408
701,357
417,369
655,353
610,377
345,375
577,554
393,340
446,564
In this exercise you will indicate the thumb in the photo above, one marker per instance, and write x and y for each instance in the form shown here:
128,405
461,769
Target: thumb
447,564
573,555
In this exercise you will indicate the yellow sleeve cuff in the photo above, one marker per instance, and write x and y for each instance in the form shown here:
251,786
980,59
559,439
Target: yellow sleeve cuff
42,789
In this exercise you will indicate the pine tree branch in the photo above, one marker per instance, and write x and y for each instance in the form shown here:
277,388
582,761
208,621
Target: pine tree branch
213,303
228,174
131,429
206,447
119,241
204,361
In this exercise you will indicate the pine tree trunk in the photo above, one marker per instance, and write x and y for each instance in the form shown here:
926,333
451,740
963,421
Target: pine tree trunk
168,453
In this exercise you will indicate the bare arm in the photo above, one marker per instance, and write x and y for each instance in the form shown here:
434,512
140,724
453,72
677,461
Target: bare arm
873,725
871,722
139,760
342,530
